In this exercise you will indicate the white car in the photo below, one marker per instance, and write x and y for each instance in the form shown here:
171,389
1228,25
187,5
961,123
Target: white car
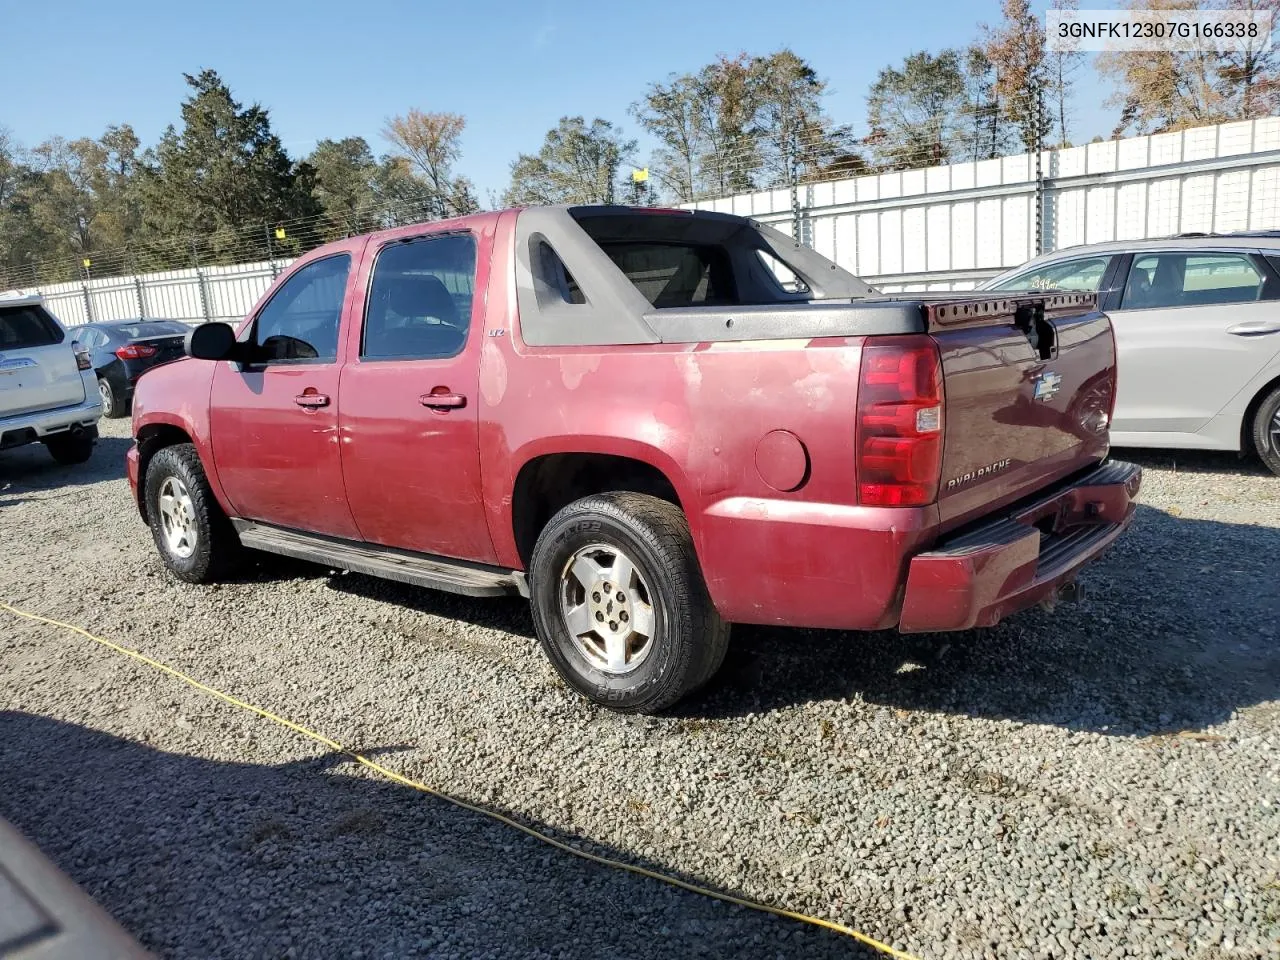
1197,326
48,390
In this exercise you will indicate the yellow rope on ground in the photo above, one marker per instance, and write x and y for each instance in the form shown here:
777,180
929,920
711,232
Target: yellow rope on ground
473,808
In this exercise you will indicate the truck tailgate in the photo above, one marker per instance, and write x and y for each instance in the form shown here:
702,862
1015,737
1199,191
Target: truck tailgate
1029,383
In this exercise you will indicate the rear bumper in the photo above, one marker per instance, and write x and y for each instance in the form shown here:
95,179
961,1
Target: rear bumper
977,578
40,424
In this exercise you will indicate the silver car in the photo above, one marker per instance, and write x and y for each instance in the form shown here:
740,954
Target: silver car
1197,326
48,390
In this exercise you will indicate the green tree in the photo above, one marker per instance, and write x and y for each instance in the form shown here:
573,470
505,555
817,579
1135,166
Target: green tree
1249,78
917,111
578,163
63,204
1061,67
1168,90
985,129
346,186
790,123
400,197
222,178
673,114
21,245
728,98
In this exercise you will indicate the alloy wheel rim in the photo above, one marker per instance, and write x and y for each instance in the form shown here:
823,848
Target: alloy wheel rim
104,392
177,518
607,609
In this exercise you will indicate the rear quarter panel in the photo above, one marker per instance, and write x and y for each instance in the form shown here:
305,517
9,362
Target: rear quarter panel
699,413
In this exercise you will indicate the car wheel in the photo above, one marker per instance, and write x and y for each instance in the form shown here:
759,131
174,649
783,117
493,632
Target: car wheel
619,603
112,408
1266,431
194,537
68,448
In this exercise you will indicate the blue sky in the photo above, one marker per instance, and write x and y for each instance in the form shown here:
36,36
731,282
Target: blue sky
334,69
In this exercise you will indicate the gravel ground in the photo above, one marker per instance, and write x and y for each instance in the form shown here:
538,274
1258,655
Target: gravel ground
1100,782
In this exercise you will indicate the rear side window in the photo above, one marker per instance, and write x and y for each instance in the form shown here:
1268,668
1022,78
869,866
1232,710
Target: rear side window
300,321
1191,280
420,299
25,327
787,278
1083,276
676,275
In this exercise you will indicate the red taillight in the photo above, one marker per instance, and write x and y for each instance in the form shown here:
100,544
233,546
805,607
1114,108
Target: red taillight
135,351
899,457
82,356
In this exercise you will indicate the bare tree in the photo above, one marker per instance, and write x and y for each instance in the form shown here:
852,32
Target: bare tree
432,142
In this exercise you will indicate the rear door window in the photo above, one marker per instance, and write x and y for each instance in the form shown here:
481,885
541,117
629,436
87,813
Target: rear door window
420,299
1191,280
26,327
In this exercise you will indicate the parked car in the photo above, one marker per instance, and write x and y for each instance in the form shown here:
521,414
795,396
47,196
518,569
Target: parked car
624,416
123,349
1197,327
48,393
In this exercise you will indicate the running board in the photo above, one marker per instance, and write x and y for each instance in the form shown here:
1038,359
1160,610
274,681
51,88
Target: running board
421,570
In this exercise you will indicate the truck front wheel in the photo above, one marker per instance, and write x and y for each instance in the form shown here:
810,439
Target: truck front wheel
194,537
619,603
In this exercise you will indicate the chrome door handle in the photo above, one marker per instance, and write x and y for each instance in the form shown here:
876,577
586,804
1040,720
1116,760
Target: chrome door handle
443,401
311,400
1253,328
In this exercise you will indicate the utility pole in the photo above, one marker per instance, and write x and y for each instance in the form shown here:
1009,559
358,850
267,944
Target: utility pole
1039,147
204,296
84,286
794,177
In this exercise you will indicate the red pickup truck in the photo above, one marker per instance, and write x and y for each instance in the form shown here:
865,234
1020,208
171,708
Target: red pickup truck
650,423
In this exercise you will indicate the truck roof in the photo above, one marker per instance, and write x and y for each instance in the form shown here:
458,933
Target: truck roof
575,209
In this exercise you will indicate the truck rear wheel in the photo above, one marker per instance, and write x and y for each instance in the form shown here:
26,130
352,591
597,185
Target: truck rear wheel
619,603
194,537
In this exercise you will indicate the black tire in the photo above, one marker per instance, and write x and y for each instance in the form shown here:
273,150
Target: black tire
113,408
69,449
213,544
688,639
1266,431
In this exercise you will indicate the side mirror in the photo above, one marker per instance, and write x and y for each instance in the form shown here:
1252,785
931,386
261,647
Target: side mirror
211,341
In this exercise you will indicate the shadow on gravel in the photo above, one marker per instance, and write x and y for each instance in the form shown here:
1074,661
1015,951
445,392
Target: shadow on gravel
1178,631
510,615
202,858
29,469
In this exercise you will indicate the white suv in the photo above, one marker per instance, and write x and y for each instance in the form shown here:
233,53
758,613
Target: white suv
48,389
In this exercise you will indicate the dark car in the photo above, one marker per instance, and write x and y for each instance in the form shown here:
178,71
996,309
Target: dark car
121,350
